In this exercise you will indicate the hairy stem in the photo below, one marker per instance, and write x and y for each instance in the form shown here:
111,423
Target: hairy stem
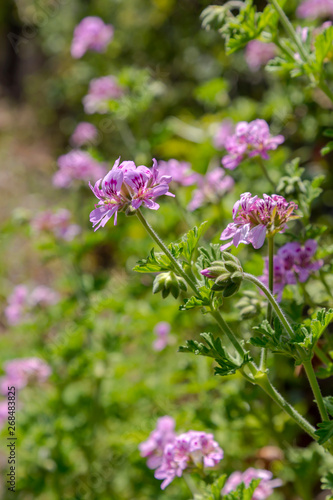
315,389
263,359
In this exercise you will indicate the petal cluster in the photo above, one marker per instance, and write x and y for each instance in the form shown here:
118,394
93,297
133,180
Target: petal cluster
315,8
58,223
91,34
24,371
77,165
293,262
255,217
263,490
258,53
162,331
84,133
180,171
153,447
22,301
126,188
211,188
101,91
250,139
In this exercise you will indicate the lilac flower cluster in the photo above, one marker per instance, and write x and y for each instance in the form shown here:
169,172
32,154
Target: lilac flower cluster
263,490
250,139
77,165
315,8
211,188
21,372
293,262
171,455
162,330
57,223
84,133
22,301
258,53
101,91
255,217
180,171
91,34
125,188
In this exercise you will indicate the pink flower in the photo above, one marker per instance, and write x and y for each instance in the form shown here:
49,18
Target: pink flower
17,302
24,371
43,296
225,130
189,450
263,490
315,8
162,330
258,53
77,165
153,448
254,217
101,91
249,139
3,413
91,34
279,281
85,133
57,223
180,171
211,188
127,187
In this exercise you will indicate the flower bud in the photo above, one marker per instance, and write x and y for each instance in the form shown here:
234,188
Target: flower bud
227,273
250,305
169,282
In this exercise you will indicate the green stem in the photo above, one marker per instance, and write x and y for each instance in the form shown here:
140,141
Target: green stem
265,171
275,305
263,358
315,389
167,252
325,88
266,385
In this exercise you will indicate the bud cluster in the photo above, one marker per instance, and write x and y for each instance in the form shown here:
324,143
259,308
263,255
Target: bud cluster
169,282
250,305
227,274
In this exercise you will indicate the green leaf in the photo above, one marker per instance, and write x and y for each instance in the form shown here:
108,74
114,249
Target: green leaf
324,431
242,492
153,263
328,402
327,482
325,371
319,323
189,242
327,149
323,46
194,301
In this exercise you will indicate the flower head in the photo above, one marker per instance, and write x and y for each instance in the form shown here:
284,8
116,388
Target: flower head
255,217
24,371
211,188
58,223
127,187
250,139
189,450
180,171
263,490
101,91
162,330
91,34
3,413
85,133
16,305
225,130
153,447
77,165
258,53
315,8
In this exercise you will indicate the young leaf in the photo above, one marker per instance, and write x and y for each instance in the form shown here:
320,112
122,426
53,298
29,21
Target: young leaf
324,431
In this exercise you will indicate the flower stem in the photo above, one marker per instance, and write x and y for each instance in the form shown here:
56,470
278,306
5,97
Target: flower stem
167,252
266,385
315,389
265,172
263,358
275,305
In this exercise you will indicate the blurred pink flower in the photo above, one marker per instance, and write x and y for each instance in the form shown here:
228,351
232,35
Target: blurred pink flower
254,217
180,171
127,186
101,91
250,139
84,133
91,34
188,450
153,447
225,130
57,223
315,8
258,53
211,188
43,296
77,165
162,330
17,303
23,371
263,490
3,413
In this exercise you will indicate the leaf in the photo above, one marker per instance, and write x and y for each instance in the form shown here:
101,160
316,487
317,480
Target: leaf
194,301
327,149
323,46
319,323
327,481
325,371
328,402
154,263
190,241
324,431
243,492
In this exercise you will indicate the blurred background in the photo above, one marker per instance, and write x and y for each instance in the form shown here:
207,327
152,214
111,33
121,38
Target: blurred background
79,428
